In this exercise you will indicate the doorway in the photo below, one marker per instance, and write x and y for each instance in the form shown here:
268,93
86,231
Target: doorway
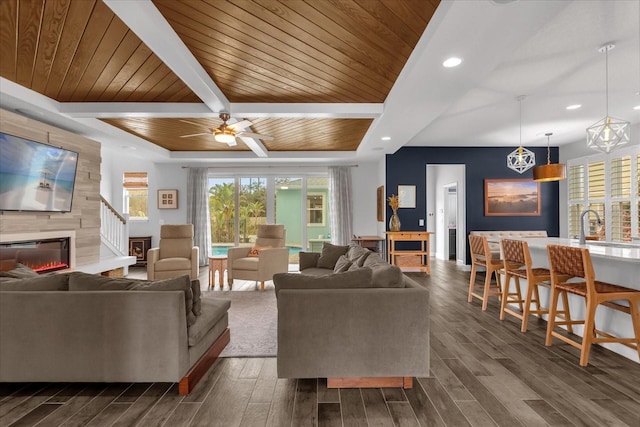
450,197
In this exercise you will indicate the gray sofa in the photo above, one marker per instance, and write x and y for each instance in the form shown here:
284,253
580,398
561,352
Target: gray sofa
351,317
79,327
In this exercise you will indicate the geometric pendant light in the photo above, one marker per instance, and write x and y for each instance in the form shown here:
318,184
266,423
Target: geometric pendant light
550,171
521,159
609,133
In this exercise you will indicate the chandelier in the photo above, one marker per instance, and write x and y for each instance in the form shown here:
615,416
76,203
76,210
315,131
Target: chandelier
550,171
521,159
609,133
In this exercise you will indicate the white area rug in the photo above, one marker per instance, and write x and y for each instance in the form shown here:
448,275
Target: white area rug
253,319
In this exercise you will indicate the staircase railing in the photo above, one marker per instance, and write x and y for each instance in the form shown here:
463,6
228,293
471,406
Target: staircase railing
114,227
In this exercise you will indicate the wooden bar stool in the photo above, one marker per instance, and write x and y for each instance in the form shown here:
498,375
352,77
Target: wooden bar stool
569,263
481,257
518,264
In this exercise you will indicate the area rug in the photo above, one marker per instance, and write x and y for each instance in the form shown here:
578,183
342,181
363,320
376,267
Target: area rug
253,319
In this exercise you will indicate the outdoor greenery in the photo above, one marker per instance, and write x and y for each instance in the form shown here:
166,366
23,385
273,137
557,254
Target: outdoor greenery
138,206
252,210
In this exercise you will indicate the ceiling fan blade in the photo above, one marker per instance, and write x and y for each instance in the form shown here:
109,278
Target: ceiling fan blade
255,135
241,124
232,143
192,123
195,134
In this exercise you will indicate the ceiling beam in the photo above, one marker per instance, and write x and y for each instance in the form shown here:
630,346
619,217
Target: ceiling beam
114,110
308,110
146,21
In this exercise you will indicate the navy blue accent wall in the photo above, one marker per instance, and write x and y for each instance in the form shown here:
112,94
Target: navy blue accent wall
408,166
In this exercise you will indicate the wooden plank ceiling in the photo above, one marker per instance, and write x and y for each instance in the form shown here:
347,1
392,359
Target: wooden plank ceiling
271,51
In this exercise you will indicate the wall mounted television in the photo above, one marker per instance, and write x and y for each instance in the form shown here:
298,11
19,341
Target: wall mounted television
35,176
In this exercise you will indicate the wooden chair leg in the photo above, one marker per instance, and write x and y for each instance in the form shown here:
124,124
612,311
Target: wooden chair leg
531,288
519,294
487,288
634,311
589,332
262,285
505,294
552,317
567,312
472,281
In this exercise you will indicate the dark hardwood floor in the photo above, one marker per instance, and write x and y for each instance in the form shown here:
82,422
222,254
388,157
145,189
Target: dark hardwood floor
484,373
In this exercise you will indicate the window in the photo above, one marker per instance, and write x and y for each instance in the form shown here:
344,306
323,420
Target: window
315,209
136,195
610,191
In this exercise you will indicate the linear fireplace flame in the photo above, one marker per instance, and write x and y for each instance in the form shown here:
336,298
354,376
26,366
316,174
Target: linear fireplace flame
41,255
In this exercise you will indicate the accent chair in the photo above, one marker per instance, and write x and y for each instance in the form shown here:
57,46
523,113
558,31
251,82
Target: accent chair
175,255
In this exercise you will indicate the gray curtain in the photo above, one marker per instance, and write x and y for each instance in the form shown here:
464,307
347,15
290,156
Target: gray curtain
340,210
198,211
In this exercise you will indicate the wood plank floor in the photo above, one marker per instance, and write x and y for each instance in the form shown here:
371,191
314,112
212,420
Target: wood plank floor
484,373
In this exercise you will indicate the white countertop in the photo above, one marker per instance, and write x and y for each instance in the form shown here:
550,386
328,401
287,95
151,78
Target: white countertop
619,251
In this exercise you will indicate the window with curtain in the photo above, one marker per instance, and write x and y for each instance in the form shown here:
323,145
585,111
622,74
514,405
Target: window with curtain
136,195
609,185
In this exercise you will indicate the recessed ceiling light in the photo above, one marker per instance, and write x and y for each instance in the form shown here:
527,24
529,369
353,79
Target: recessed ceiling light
452,62
386,138
637,107
574,106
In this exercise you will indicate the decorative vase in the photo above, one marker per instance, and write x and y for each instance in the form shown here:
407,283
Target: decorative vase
394,222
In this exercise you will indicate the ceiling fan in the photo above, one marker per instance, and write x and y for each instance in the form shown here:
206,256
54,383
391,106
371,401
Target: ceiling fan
227,133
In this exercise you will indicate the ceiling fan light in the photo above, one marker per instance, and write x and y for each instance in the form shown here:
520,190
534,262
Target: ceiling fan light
226,135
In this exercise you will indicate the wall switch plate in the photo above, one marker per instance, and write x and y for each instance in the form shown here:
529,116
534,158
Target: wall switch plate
421,222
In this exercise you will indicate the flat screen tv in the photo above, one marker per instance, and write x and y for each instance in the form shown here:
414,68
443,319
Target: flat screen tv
35,176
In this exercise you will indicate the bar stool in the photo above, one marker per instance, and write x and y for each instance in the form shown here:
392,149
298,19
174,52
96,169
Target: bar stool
570,262
481,257
518,264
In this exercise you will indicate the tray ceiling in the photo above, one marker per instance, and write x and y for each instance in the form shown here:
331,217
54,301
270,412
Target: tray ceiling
261,51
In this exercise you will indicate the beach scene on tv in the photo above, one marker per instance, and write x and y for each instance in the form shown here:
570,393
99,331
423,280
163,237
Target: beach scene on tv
34,176
512,197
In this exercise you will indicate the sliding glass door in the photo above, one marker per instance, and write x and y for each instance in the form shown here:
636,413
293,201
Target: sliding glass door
239,204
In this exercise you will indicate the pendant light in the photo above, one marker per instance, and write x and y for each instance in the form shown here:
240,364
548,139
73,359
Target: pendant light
609,133
550,171
521,159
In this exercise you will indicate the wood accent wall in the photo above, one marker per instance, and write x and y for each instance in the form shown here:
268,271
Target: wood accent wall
84,217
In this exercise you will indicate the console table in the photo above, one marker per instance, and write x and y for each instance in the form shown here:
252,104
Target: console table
421,237
369,242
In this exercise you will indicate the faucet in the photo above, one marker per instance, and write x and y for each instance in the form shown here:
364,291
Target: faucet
582,240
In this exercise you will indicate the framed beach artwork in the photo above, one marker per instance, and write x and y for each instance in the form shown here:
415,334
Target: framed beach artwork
511,197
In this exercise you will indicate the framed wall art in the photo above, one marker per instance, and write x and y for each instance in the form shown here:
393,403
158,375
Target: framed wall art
511,197
167,199
406,196
381,203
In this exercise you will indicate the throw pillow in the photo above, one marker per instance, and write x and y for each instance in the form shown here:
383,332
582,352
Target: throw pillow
255,251
19,272
386,276
330,254
182,283
54,282
197,300
357,254
342,264
308,260
360,278
79,281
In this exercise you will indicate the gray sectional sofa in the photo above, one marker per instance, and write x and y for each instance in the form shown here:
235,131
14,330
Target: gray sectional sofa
352,318
79,327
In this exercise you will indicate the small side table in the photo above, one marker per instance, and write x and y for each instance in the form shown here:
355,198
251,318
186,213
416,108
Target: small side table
217,262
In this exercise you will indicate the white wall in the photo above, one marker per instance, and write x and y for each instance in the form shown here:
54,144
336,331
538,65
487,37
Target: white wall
160,176
365,180
439,176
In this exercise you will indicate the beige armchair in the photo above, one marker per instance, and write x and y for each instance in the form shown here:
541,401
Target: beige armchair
270,261
175,255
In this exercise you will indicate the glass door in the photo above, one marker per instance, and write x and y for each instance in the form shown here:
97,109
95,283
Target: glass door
288,211
222,207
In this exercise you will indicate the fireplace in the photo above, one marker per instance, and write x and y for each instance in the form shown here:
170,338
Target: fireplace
42,255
